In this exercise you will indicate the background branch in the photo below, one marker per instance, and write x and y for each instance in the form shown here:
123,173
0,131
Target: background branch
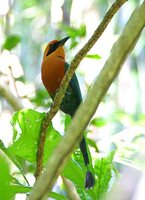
120,50
14,81
60,94
70,189
11,99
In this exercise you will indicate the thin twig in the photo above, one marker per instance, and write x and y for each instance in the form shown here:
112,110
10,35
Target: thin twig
14,81
120,50
60,94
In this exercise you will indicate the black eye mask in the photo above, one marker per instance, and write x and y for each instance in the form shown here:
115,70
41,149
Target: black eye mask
54,46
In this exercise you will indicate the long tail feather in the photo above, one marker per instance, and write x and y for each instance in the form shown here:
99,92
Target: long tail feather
89,180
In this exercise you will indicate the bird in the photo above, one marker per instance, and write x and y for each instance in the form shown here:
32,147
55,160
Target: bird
53,70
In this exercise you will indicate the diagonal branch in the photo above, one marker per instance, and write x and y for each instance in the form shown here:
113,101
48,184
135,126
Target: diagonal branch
11,99
70,189
60,94
120,51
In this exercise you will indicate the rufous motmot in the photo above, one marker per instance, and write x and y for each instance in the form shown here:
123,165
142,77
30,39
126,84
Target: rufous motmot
53,70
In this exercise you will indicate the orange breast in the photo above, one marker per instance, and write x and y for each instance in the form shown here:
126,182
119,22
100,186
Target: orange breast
52,73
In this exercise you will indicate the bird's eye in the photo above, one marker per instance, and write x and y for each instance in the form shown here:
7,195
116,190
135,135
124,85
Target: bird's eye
52,48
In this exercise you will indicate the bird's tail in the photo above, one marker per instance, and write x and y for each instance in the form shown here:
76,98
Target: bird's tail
90,180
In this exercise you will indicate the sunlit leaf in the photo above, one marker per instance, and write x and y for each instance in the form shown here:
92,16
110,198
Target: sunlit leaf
75,34
26,126
20,189
74,43
67,121
25,190
5,192
74,172
73,31
93,56
12,158
41,98
11,42
57,196
92,143
99,122
27,3
83,194
104,169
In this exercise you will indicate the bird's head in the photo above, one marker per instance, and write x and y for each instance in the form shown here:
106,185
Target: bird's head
56,47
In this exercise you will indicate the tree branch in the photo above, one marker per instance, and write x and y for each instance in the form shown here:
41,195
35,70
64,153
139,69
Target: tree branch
70,189
60,94
120,50
11,99
14,81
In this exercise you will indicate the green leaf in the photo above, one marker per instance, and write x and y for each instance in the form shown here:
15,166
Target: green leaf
5,192
41,98
77,155
99,122
24,190
57,196
93,56
73,31
74,43
78,177
83,194
28,4
26,125
67,122
11,42
26,128
74,172
92,143
20,189
75,169
104,169
13,159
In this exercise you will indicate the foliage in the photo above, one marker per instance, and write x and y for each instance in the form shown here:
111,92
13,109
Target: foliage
11,42
118,124
4,179
74,33
104,170
26,128
93,56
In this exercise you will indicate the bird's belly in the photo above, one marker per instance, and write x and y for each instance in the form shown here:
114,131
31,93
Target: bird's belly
52,76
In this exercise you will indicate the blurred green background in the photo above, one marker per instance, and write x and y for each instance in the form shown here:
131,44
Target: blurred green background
25,29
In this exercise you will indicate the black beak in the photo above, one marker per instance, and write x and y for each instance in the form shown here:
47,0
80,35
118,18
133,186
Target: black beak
62,42
56,45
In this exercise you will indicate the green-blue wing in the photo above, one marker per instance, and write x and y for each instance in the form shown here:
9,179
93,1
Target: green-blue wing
74,84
